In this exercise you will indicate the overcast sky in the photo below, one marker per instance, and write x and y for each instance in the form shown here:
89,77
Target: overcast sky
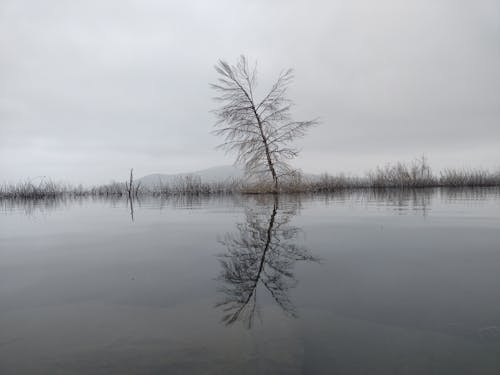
89,89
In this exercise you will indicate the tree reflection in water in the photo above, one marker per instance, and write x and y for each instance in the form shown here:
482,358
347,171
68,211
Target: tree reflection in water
263,251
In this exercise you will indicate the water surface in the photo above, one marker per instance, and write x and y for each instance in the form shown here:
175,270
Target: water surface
394,282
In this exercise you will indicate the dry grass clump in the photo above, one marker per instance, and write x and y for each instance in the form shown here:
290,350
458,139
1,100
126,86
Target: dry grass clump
193,185
113,189
28,189
416,174
326,183
468,177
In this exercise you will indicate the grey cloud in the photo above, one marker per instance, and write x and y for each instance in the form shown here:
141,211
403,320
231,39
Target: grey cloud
89,89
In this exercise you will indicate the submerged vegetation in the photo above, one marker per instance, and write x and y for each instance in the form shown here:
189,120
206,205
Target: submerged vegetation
400,175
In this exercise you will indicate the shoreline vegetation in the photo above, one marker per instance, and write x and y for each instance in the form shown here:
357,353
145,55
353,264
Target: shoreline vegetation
403,176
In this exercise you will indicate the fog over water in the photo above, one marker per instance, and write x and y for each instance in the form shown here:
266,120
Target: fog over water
90,89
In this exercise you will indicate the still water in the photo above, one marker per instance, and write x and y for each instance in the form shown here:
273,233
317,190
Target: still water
400,282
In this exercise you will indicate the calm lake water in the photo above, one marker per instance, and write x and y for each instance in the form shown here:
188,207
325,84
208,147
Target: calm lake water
400,282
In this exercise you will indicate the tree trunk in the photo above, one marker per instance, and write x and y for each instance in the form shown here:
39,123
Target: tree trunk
268,154
131,183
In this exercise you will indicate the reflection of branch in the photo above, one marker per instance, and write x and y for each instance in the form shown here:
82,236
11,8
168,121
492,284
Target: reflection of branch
261,251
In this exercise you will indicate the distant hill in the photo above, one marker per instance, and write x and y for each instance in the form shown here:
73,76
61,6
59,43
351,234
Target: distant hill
214,174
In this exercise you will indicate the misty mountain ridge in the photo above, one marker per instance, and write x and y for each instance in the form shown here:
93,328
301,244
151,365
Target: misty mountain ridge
209,175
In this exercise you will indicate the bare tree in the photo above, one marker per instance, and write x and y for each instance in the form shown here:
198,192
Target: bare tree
261,132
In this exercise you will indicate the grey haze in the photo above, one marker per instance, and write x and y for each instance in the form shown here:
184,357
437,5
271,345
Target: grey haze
89,89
